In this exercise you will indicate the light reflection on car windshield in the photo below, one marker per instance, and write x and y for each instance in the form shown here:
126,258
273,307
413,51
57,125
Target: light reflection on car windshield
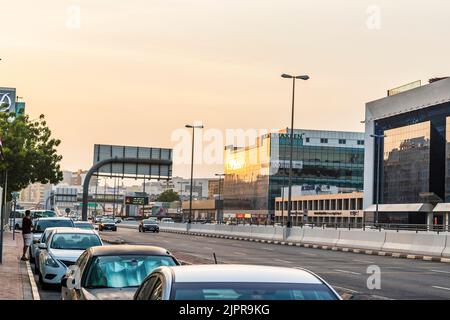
74,241
124,271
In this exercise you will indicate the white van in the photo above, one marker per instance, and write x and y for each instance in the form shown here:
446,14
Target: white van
17,222
167,220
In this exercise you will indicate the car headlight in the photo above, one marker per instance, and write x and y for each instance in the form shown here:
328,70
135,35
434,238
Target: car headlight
49,261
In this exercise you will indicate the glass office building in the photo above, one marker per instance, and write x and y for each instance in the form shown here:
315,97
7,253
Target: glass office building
415,158
255,175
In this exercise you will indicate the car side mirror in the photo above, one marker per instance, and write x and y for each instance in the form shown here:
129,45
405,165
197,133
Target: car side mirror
42,246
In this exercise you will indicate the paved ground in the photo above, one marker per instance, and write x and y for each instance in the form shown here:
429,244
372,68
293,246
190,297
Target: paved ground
347,272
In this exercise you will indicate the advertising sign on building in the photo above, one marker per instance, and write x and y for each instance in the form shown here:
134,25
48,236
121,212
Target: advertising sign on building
7,99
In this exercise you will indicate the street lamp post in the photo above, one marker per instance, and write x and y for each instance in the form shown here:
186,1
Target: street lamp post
220,211
193,127
303,77
379,137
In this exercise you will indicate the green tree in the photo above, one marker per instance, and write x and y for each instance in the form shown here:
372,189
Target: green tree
29,152
168,196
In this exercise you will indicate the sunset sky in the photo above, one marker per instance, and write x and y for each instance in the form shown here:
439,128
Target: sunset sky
136,70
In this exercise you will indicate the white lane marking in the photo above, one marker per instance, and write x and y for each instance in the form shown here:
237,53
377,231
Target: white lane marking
269,249
363,261
440,271
381,297
237,245
240,253
207,248
345,289
346,271
282,261
442,288
308,254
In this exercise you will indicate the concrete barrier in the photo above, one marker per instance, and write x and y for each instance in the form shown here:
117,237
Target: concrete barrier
446,251
296,235
263,232
415,243
325,237
358,239
202,228
173,226
242,231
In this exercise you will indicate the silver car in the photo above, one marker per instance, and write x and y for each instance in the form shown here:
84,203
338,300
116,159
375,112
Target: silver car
234,282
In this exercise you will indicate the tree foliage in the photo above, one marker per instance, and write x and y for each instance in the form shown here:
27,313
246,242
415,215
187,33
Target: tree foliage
168,196
29,152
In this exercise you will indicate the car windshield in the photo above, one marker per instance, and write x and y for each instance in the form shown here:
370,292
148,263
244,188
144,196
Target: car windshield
74,241
107,221
250,291
149,222
41,225
124,271
86,226
43,214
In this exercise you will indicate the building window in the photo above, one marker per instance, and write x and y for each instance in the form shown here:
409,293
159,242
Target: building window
342,141
360,142
307,139
323,140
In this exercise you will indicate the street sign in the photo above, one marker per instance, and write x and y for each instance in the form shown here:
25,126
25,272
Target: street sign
136,200
67,210
7,99
158,171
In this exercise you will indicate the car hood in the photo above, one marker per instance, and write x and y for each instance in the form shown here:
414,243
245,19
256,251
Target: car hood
109,293
69,255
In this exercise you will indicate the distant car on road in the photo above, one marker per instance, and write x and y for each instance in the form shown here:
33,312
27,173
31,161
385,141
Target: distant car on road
107,224
15,218
167,220
148,225
233,282
40,225
61,250
85,225
99,275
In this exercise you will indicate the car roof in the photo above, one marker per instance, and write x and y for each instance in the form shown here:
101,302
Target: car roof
53,218
241,273
82,222
128,249
74,230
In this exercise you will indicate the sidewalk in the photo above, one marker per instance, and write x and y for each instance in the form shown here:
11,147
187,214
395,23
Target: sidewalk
14,280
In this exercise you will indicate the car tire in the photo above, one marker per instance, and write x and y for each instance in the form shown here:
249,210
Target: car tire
44,285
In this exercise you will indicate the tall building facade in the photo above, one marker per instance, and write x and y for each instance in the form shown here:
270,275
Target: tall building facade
255,175
415,156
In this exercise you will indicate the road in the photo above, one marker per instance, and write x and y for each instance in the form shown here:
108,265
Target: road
346,272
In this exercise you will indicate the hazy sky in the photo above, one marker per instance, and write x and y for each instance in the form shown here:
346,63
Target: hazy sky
133,71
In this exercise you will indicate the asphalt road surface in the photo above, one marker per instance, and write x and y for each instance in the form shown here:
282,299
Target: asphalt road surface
346,272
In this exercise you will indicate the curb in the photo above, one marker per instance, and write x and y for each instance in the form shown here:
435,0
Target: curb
316,246
34,289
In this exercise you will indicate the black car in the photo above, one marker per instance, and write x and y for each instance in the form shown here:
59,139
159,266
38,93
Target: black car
148,225
107,224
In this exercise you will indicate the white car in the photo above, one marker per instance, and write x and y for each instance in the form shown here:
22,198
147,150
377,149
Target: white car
62,250
167,220
233,282
40,225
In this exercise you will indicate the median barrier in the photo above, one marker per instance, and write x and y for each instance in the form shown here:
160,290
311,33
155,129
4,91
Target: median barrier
357,239
241,231
415,243
295,235
278,234
446,251
201,228
222,229
263,232
182,227
323,237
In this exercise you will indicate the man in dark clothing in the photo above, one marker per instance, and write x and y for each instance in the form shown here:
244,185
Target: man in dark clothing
26,233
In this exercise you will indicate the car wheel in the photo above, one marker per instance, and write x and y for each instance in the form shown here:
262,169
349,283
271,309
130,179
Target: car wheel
44,285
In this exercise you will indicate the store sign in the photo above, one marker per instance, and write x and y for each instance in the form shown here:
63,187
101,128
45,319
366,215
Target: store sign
240,215
7,100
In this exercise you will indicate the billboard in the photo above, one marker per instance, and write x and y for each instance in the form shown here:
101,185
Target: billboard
134,170
136,200
404,88
7,99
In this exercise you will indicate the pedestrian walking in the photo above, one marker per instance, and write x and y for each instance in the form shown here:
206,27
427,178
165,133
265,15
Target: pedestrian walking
26,233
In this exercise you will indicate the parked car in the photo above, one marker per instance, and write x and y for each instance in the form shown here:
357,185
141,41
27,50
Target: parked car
98,275
167,220
40,225
15,218
233,282
107,224
85,225
43,239
118,219
35,214
148,225
61,250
